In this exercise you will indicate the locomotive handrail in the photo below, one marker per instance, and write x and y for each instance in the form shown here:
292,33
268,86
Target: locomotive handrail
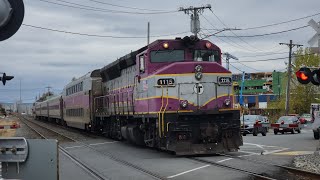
164,110
159,113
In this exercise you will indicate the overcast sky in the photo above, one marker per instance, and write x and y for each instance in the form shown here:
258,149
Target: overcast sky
41,58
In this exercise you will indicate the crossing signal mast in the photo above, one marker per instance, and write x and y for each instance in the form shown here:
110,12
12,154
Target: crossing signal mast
195,11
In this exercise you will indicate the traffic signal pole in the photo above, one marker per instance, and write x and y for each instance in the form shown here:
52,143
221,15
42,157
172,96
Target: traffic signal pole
290,45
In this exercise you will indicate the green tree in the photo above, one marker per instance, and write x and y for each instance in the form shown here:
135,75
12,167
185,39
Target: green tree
301,96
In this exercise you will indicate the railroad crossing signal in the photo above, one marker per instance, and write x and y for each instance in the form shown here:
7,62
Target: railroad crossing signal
305,75
5,78
316,38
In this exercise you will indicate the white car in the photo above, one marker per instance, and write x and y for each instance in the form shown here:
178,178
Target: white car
316,125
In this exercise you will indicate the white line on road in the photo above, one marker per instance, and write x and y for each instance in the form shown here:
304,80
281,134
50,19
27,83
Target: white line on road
223,160
185,172
248,152
109,142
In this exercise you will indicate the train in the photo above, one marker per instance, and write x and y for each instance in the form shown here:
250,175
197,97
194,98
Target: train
173,95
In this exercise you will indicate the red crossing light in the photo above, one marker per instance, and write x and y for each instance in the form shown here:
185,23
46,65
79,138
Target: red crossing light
304,75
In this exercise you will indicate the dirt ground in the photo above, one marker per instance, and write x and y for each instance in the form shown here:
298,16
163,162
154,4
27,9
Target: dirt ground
7,121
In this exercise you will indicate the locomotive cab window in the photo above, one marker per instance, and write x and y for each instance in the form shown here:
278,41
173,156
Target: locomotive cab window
141,63
167,56
206,55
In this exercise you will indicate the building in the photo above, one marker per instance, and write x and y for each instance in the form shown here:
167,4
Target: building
259,88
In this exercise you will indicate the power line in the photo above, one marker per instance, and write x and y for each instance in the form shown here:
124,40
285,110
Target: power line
91,8
271,59
263,55
96,35
115,5
234,32
283,22
236,68
267,34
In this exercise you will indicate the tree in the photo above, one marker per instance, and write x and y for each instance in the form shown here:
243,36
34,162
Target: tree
301,96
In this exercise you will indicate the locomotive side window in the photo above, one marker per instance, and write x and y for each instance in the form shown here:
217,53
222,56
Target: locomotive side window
206,55
167,56
141,63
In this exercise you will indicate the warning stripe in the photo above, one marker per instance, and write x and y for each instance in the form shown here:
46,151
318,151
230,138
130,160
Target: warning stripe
13,126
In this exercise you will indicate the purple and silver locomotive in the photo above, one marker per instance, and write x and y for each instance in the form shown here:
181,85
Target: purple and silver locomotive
173,95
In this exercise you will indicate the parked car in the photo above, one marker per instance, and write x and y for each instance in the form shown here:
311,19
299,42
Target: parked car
286,120
249,121
305,118
316,125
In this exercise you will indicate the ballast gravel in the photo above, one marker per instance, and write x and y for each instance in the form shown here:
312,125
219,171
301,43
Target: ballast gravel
310,162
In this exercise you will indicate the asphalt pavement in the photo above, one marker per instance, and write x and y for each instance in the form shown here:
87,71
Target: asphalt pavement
278,149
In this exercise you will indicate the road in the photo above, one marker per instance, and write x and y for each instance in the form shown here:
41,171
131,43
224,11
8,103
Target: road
279,149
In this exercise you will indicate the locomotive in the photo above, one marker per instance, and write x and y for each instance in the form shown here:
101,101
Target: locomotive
173,94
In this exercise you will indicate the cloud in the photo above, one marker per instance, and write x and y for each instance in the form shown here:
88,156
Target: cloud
40,58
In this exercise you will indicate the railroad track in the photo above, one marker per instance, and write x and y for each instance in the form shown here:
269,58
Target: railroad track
291,170
92,171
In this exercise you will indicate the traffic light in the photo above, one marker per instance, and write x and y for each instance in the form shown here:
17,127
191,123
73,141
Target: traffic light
11,17
5,78
304,75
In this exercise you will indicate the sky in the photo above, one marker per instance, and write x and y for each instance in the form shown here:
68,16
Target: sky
39,58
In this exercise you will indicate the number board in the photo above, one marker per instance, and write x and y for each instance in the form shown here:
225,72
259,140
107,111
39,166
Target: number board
165,82
224,81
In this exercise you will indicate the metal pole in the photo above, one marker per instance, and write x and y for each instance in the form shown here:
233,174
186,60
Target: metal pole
290,45
148,33
289,79
227,61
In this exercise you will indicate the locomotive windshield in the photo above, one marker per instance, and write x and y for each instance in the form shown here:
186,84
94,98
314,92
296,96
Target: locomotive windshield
167,56
206,55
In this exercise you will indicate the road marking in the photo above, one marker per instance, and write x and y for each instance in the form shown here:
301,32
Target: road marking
275,151
185,172
294,153
223,160
248,152
109,142
70,147
258,145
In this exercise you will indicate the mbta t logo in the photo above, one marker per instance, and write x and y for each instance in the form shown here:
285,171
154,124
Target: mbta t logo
305,75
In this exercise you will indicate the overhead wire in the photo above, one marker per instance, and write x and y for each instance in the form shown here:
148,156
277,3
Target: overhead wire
127,7
267,34
235,33
97,35
91,8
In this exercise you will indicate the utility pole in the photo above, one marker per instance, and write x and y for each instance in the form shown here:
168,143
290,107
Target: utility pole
290,45
195,11
48,87
228,57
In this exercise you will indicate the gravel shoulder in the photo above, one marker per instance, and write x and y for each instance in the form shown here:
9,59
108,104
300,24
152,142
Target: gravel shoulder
310,162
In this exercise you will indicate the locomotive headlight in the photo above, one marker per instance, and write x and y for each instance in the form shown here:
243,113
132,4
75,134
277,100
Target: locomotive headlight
227,102
184,104
198,75
198,68
165,45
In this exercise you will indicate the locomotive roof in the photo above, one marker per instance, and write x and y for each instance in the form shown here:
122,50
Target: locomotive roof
113,70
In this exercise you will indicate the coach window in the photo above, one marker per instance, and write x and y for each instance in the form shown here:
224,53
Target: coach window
81,86
141,63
